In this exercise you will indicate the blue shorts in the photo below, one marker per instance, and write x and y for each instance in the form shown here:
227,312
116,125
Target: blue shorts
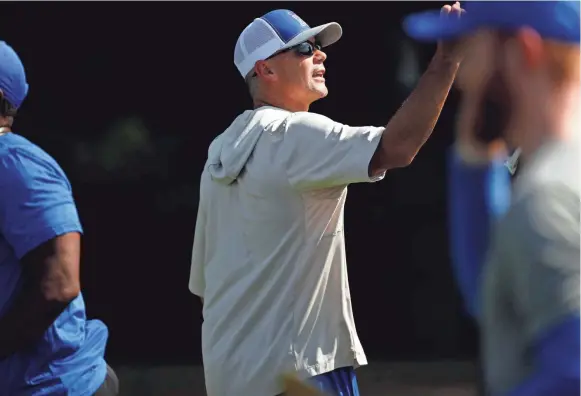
339,382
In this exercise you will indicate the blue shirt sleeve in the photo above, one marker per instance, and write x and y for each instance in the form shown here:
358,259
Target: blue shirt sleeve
36,201
558,363
477,196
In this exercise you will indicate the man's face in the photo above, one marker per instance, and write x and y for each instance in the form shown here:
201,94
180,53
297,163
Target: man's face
299,76
505,80
487,98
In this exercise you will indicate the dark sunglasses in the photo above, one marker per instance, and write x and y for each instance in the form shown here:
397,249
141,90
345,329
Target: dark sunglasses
305,48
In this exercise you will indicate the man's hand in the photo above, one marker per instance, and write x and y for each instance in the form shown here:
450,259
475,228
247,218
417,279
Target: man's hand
452,50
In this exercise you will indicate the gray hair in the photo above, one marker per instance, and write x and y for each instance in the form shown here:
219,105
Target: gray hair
252,83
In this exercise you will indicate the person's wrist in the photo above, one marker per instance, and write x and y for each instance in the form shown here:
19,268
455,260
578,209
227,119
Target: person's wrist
446,60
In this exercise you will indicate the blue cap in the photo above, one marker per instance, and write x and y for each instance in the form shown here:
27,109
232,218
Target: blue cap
557,20
12,76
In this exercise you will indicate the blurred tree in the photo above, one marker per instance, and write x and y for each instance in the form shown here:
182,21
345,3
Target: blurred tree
125,152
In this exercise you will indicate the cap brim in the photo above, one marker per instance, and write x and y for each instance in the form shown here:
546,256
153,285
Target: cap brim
431,26
326,34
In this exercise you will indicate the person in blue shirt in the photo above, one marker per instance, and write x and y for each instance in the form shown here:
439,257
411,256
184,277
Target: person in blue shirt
515,249
47,345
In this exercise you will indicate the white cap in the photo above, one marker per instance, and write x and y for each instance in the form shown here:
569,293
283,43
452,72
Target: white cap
275,31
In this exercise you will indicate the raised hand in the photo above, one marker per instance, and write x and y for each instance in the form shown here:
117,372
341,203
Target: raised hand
452,49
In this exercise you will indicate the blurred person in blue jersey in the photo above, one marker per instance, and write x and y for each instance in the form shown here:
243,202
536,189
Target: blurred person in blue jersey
516,249
47,346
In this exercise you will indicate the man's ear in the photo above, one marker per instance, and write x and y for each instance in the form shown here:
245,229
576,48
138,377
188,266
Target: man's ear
264,69
530,45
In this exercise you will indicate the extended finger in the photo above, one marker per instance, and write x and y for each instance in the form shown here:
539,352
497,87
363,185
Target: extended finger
445,10
456,9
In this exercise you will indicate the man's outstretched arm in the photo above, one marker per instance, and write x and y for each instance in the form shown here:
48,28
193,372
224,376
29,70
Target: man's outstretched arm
411,126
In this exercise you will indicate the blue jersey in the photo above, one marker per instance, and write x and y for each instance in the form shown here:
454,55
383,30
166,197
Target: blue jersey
36,205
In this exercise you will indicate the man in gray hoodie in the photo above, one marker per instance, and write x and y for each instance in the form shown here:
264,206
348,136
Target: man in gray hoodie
268,256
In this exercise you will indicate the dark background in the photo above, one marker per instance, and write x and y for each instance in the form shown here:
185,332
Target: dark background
127,97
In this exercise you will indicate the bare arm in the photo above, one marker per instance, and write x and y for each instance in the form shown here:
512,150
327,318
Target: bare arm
50,282
413,123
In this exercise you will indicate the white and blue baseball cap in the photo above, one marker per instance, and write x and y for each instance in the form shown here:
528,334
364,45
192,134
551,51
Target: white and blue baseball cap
556,20
276,31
